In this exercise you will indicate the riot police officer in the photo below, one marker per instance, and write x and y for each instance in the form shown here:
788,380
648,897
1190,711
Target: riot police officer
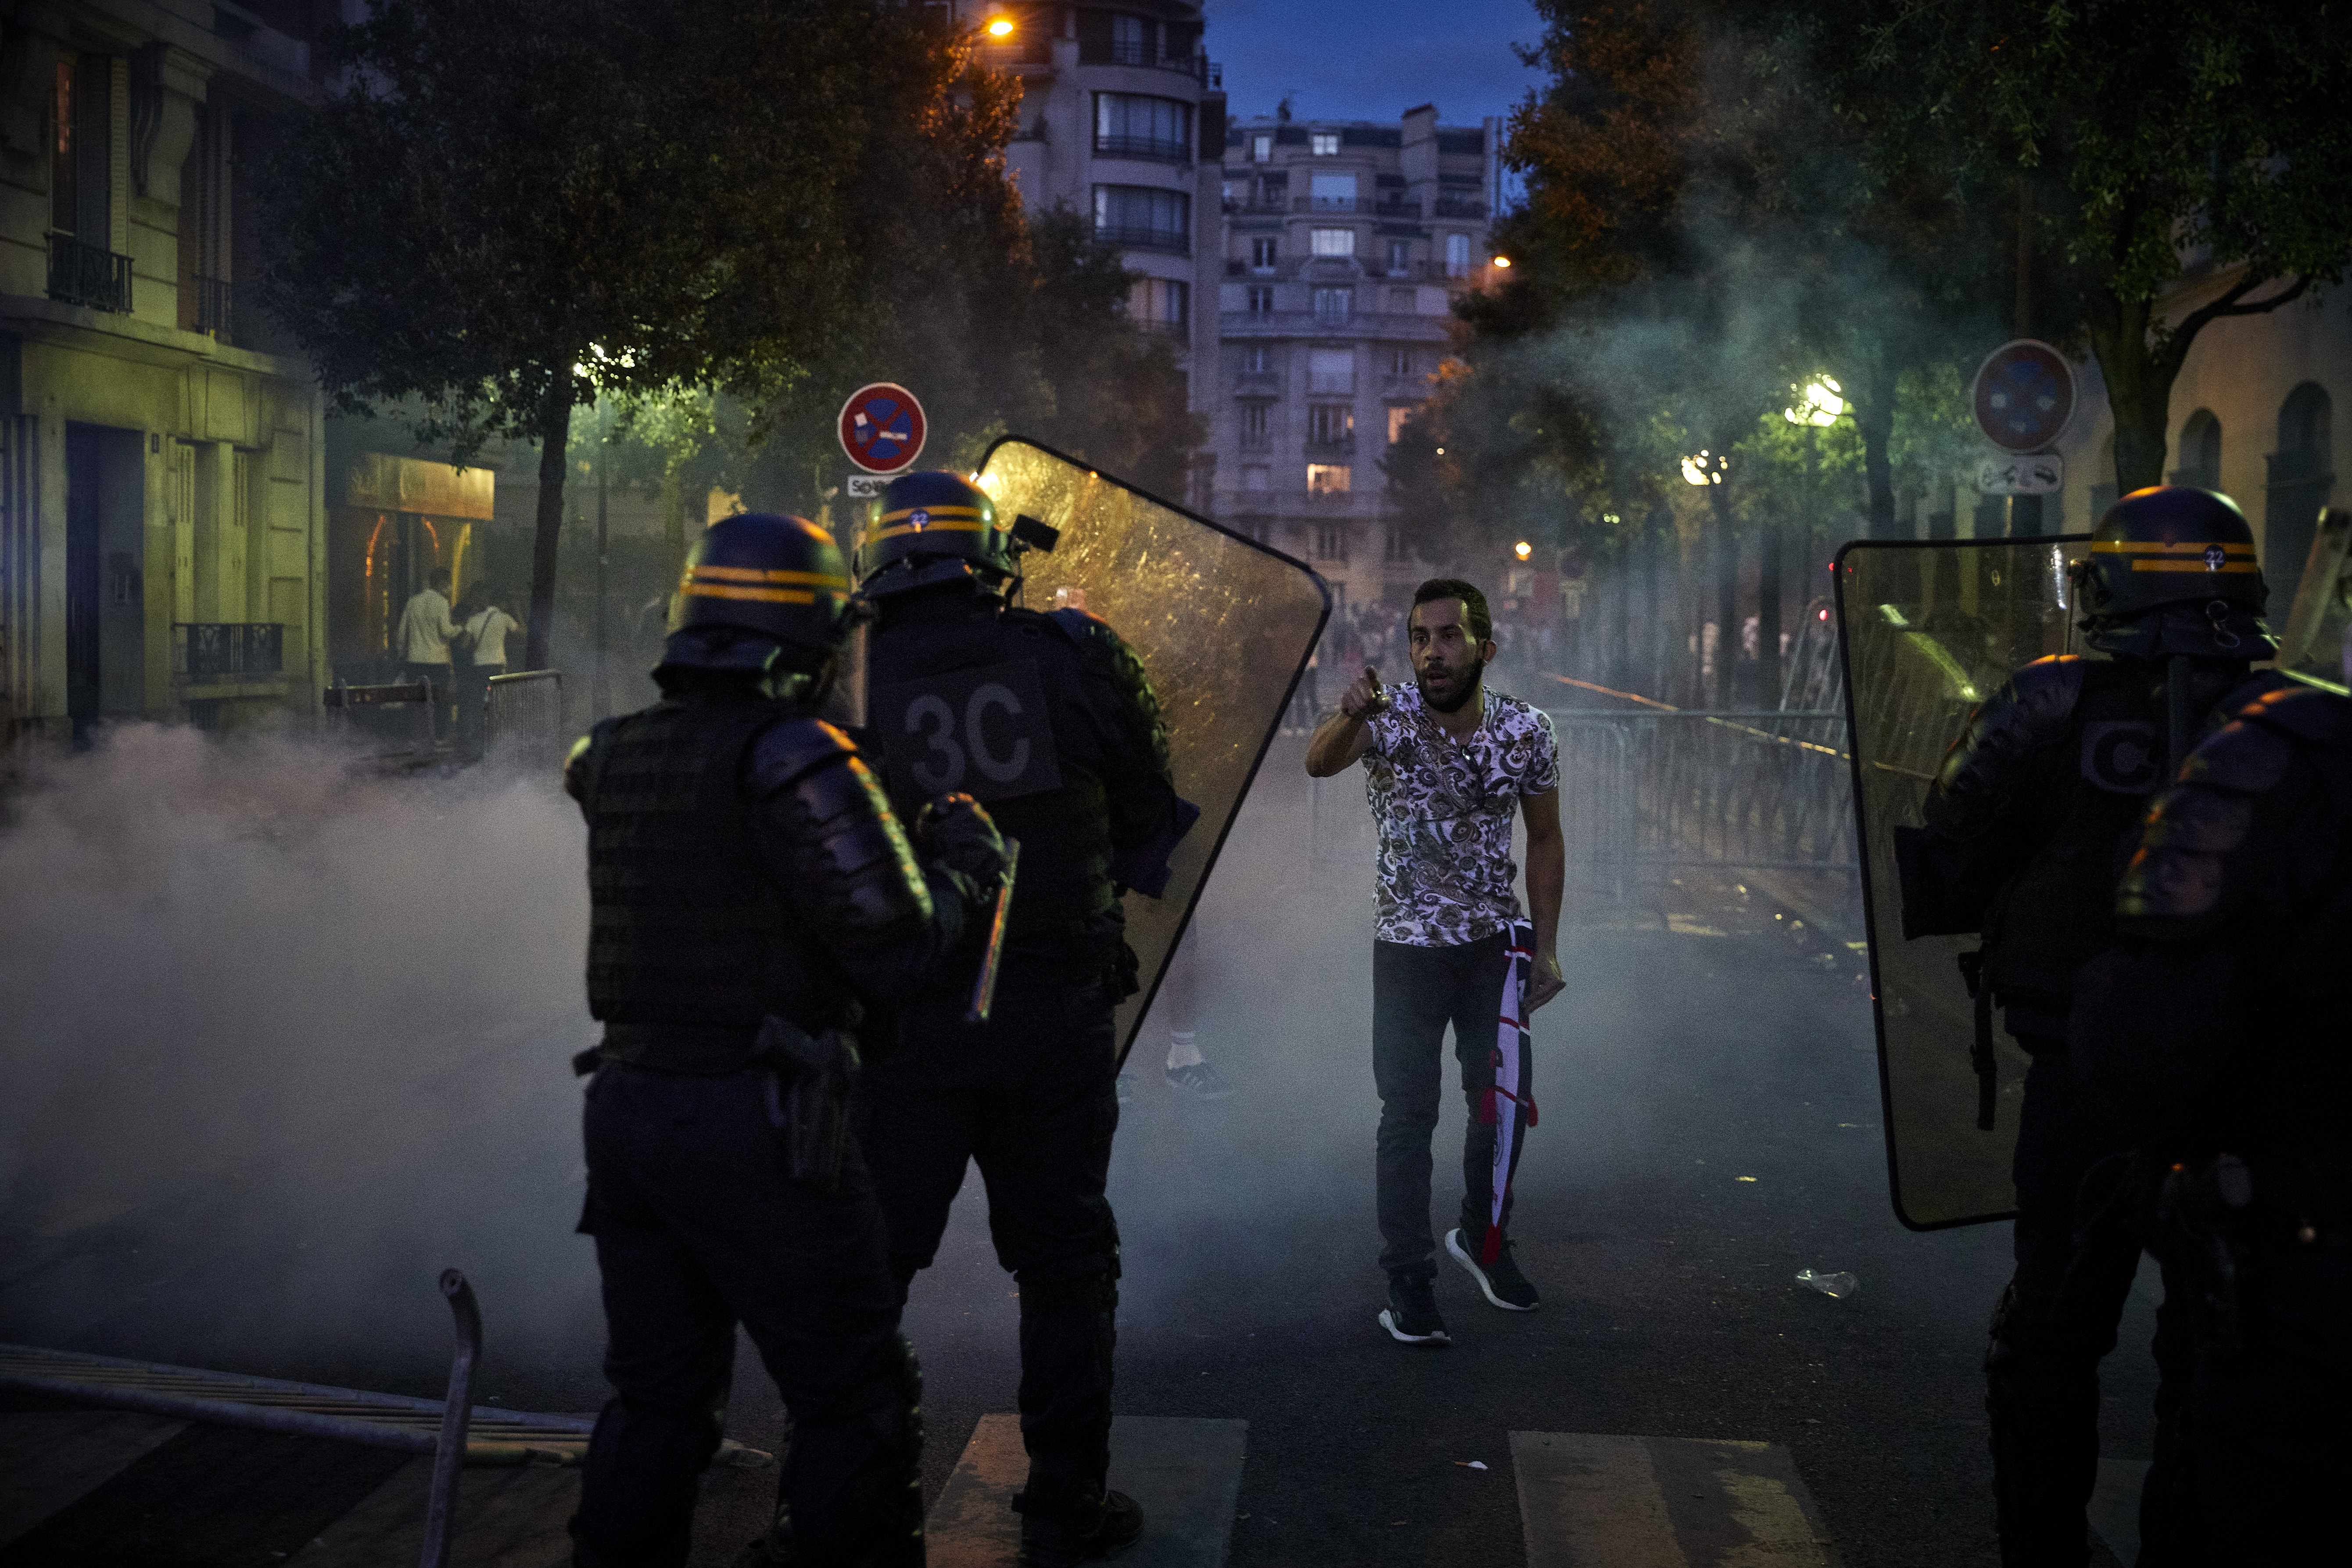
2219,1018
752,892
1047,717
2028,826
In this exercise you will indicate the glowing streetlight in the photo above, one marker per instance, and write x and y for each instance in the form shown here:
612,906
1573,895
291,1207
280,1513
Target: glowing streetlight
1819,404
999,28
1504,262
1523,550
1704,470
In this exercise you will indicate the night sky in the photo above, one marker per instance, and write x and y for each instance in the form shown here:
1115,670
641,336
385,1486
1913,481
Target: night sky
1372,59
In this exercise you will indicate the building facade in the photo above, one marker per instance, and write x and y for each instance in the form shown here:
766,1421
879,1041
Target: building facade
1123,121
1344,245
161,543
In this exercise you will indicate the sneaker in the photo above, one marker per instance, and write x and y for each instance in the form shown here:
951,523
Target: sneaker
1500,1281
1048,1543
1201,1080
1411,1315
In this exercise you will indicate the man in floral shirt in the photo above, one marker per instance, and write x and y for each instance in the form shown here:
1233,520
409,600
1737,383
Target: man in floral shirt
1447,764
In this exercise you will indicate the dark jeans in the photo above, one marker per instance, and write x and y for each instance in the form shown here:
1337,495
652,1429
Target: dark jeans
2077,1251
698,1227
1031,1097
1416,991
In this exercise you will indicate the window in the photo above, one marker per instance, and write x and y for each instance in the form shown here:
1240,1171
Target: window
1333,306
1323,143
1332,193
1331,371
1256,426
1326,479
1257,479
1458,255
1331,539
1400,257
1330,424
1333,242
1400,361
1130,41
84,268
1262,254
1156,302
1255,360
1397,550
2201,452
1261,299
1397,417
1144,219
1261,149
1130,125
1400,301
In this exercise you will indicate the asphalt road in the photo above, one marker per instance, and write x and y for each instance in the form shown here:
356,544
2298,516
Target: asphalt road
1710,1126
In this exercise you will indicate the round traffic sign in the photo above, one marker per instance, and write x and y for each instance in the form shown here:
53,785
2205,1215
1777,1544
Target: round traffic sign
2025,395
882,427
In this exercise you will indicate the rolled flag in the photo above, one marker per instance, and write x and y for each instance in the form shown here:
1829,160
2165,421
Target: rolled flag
1511,1047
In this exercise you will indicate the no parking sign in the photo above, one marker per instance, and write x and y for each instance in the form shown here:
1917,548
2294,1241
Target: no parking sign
882,427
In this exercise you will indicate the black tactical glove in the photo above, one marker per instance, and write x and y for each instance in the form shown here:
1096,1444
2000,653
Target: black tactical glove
956,832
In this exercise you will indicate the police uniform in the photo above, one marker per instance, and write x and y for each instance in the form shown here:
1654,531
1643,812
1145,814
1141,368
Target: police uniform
2029,824
2221,1019
751,892
1048,719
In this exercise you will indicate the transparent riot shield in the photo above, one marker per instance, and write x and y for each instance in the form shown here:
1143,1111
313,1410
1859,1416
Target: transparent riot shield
2317,643
1224,626
1930,629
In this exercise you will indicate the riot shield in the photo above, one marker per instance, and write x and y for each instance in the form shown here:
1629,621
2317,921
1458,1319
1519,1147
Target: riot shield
2317,643
1930,629
1224,626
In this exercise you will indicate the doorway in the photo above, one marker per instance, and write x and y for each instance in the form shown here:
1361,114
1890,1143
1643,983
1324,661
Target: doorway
106,576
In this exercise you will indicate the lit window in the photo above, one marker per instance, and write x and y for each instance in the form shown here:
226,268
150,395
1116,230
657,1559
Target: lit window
1158,302
1130,125
1262,253
1261,149
1400,257
1331,370
1458,255
1329,423
1397,417
1327,478
1324,143
1261,299
1334,306
1333,242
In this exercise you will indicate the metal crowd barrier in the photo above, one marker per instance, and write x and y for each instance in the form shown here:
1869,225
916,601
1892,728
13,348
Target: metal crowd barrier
523,722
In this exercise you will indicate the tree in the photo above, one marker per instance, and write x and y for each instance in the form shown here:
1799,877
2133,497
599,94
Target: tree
511,207
2158,152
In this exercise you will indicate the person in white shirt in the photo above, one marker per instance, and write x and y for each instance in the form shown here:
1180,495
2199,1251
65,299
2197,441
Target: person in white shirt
484,635
423,642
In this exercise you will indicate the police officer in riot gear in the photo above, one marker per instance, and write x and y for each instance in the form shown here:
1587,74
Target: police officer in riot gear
752,892
2220,1017
2028,826
1048,719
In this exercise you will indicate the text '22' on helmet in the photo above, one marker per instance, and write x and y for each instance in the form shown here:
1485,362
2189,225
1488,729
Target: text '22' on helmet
2186,552
778,579
931,527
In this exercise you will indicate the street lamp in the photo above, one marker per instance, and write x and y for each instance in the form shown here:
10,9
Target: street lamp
999,27
1504,262
1704,470
1819,406
1523,550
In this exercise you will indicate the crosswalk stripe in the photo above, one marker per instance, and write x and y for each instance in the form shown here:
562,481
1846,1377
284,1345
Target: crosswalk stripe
49,1459
1588,1500
1185,1473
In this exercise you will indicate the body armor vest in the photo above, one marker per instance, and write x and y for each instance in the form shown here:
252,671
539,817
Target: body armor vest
685,938
954,700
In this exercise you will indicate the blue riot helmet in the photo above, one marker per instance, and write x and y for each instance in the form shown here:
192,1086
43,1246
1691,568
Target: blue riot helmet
933,527
762,591
2172,570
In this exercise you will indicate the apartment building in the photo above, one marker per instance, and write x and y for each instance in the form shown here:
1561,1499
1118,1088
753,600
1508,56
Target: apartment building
1344,245
1123,119
162,549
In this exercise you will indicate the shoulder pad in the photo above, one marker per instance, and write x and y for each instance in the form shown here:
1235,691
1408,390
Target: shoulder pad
2199,818
2044,692
1082,626
2246,756
2307,713
2028,711
793,748
2163,884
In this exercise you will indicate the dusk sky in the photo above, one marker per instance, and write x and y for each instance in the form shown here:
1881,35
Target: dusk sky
1372,59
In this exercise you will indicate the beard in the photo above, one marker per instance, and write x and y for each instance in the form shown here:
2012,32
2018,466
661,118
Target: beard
1447,694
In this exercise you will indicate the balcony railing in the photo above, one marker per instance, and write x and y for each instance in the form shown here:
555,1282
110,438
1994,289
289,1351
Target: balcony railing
216,305
1273,209
1127,53
1460,207
88,274
1146,148
215,651
1127,237
1398,208
1330,204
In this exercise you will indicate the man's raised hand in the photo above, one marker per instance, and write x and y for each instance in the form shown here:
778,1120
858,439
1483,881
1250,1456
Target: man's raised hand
1364,695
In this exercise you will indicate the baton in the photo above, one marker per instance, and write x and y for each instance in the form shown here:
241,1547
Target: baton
983,989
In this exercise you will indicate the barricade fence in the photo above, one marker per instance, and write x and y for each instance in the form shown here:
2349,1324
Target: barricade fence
524,720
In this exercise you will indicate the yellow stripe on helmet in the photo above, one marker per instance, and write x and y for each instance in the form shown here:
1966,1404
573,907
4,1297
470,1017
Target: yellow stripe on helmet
757,595
947,511
934,526
2162,546
753,574
2192,566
